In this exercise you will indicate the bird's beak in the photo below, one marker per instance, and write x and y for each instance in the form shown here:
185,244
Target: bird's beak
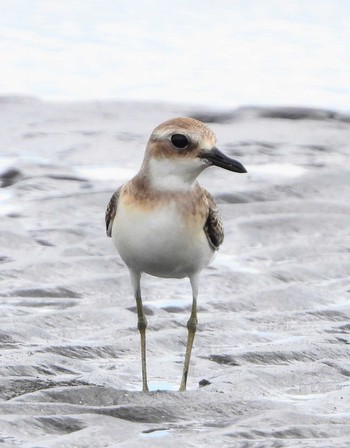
217,158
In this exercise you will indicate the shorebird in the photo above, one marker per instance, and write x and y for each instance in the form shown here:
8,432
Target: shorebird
163,223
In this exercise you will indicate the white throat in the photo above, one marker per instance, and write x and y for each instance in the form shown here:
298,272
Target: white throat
174,174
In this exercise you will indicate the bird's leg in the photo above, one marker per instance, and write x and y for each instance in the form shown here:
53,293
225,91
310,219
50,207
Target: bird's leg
191,326
141,325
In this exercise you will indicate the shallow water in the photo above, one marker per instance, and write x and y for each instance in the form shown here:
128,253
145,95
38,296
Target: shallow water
226,54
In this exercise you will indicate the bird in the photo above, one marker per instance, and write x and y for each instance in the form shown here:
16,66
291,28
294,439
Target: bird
163,223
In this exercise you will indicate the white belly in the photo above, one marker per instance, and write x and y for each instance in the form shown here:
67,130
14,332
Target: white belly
160,242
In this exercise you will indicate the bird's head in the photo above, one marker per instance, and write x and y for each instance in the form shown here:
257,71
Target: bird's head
179,150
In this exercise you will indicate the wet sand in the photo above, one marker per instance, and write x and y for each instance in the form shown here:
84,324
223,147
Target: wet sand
274,332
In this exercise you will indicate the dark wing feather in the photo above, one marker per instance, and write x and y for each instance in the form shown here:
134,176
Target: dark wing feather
111,211
213,226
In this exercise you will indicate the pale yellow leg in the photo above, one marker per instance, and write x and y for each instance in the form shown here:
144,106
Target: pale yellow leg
141,325
191,326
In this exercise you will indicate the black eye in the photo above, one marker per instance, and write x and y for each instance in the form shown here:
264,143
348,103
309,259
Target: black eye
179,141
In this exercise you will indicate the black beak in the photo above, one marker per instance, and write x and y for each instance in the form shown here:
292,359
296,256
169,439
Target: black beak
217,158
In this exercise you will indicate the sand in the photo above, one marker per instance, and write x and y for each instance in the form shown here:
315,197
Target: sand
273,337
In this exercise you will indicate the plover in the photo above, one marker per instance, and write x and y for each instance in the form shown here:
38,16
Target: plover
163,223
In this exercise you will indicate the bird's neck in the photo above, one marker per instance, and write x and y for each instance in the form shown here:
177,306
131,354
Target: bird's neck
166,175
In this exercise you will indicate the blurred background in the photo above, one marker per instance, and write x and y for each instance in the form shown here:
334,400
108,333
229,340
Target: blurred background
223,54
274,309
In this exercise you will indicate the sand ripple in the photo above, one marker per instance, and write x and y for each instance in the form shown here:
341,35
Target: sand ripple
273,344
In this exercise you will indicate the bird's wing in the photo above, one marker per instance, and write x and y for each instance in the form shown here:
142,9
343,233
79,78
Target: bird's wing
111,211
213,226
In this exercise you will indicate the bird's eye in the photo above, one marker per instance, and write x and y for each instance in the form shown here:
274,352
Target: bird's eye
180,141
